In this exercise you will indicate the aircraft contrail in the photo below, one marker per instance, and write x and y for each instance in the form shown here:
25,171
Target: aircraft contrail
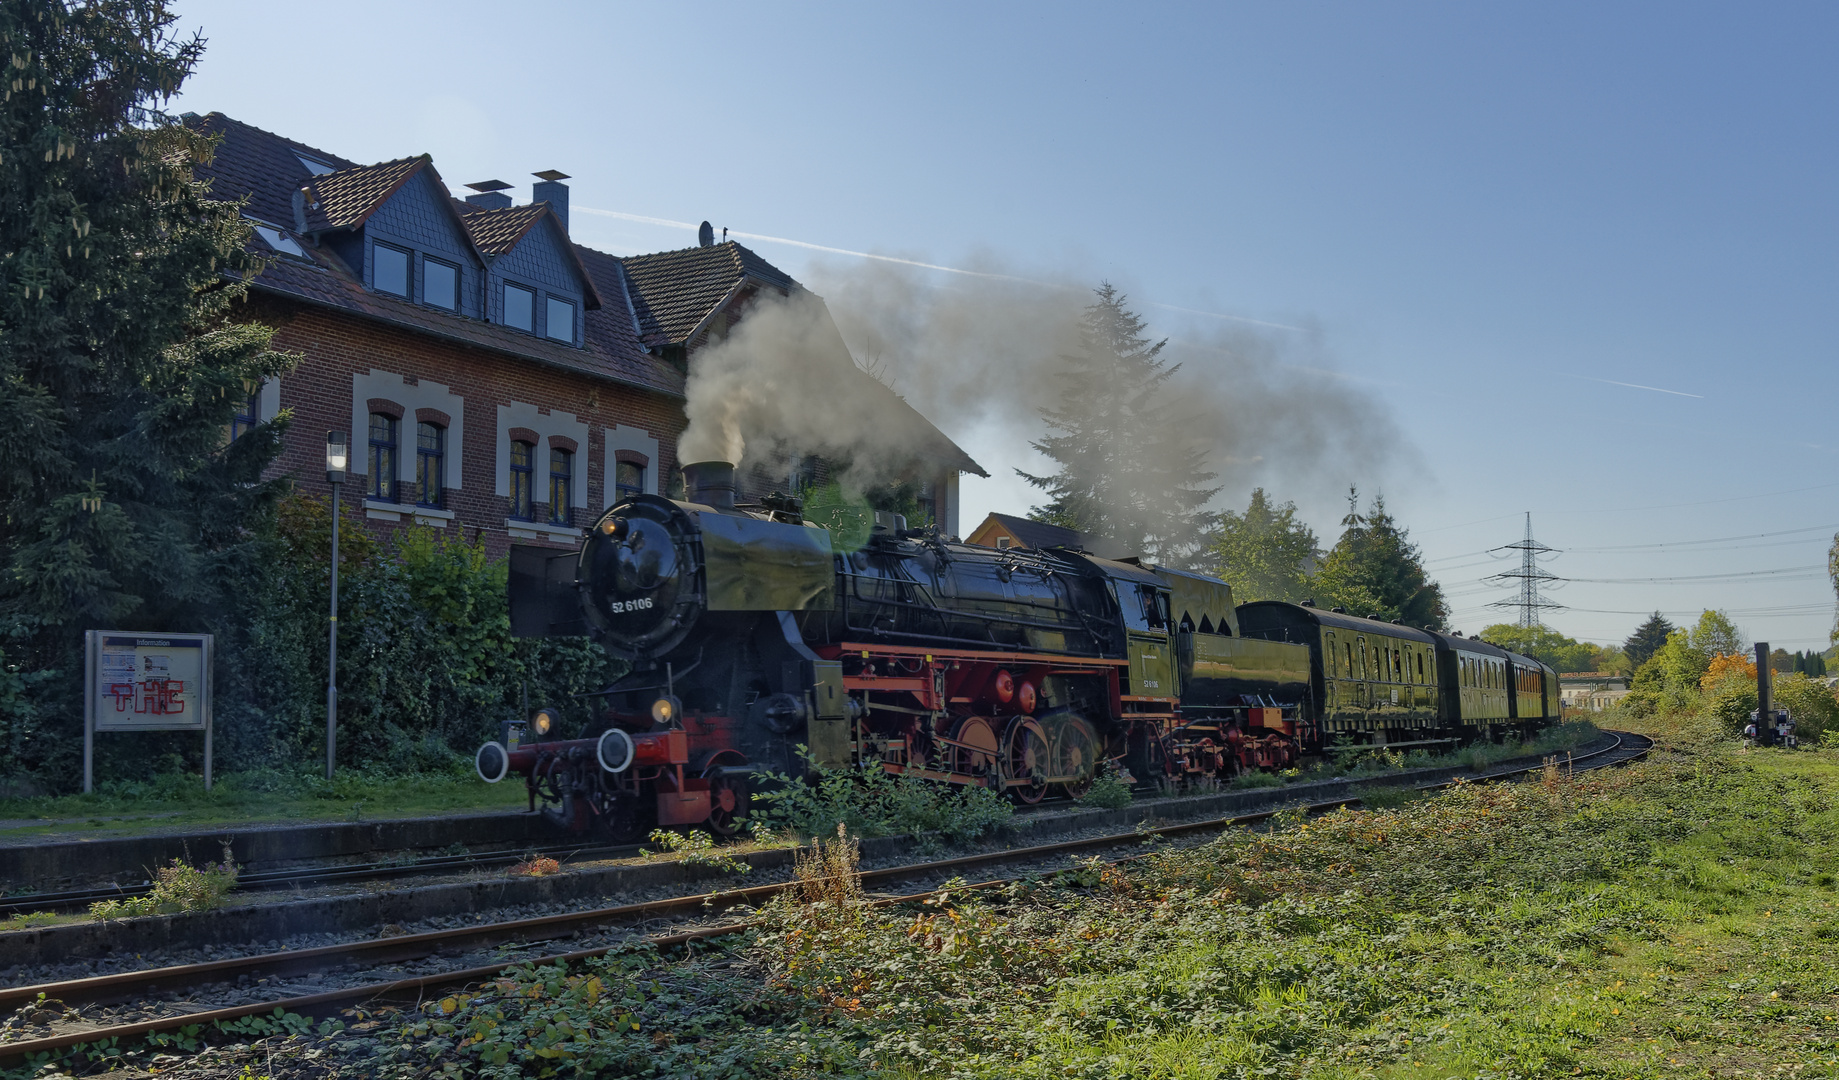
668,223
1631,386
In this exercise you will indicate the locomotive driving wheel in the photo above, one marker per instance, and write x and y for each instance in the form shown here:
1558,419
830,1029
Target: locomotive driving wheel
1076,754
977,750
1025,759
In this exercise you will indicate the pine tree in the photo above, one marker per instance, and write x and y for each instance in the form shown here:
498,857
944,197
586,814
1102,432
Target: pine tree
122,503
1264,553
1127,470
1647,639
1375,570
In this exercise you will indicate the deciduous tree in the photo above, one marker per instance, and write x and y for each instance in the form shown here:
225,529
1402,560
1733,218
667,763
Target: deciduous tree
1715,634
1264,553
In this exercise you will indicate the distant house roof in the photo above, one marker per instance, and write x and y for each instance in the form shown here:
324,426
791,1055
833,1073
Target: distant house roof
677,291
1032,534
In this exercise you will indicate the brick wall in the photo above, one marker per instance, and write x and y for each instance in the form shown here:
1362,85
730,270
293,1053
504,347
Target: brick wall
336,347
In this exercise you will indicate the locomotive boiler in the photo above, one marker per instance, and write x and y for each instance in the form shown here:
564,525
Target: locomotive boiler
750,634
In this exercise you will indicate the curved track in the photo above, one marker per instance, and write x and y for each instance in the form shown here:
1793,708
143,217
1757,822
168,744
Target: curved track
417,947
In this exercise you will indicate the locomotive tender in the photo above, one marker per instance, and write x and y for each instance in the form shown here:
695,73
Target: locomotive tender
749,634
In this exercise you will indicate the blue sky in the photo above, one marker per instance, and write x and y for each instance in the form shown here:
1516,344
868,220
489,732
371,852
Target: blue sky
1580,256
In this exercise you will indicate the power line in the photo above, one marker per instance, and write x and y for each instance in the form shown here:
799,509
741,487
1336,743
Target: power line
1713,540
1807,571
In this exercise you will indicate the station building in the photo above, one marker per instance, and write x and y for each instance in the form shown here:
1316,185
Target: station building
495,376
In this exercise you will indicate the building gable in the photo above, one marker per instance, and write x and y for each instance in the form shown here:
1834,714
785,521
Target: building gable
418,219
543,262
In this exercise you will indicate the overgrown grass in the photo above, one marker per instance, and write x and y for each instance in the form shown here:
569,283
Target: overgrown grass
1676,918
175,799
176,888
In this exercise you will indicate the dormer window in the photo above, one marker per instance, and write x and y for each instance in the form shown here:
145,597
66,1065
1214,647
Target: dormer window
561,323
440,284
520,308
390,270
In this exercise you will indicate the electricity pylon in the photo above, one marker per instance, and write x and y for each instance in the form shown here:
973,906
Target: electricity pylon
1530,579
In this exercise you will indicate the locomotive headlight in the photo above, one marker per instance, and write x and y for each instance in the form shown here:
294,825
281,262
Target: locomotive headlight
613,528
542,722
666,710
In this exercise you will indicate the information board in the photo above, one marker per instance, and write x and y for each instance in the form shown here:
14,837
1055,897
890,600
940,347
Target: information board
146,682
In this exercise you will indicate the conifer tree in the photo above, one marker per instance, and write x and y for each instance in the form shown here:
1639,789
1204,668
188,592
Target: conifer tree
1375,570
1264,553
122,501
1128,472
1647,639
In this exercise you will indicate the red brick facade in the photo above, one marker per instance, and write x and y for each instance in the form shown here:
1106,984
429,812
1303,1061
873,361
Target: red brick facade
335,347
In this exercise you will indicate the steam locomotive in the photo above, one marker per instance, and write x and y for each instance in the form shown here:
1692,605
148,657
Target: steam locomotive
750,633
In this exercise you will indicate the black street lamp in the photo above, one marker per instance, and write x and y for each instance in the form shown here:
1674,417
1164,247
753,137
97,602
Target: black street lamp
338,456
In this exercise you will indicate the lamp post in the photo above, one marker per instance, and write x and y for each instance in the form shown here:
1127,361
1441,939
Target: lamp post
338,456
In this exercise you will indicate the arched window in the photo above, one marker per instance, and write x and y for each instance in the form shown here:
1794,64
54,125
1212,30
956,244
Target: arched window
522,481
430,455
628,479
383,457
561,474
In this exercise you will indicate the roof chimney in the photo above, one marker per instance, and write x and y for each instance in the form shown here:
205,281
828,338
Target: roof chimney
491,194
552,191
706,235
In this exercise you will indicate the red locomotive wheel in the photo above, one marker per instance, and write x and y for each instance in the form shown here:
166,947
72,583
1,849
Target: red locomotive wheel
1025,758
978,748
727,804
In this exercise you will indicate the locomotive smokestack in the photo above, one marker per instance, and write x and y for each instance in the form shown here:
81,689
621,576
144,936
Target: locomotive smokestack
710,483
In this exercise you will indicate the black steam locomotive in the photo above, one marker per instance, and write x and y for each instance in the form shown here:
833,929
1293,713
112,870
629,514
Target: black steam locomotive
749,633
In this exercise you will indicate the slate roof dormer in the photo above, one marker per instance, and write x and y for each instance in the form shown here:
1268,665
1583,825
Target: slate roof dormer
346,199
495,232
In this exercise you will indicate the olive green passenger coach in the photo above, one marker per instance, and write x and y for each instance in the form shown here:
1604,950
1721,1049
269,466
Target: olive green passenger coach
1476,681
1369,676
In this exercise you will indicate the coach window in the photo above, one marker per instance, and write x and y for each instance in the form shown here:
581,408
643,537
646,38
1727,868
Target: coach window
430,453
629,479
383,457
521,480
1420,667
519,308
440,284
1349,650
561,472
1331,658
1398,667
389,271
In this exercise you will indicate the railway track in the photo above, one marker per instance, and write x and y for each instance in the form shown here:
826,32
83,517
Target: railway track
371,954
375,870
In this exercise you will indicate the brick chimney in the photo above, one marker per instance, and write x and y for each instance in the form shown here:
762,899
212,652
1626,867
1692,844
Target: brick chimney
490,194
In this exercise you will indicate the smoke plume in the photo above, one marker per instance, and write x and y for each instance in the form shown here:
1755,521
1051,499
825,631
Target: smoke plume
979,359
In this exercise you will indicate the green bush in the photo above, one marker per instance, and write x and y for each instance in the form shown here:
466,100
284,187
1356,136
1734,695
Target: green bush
870,802
1811,703
1107,791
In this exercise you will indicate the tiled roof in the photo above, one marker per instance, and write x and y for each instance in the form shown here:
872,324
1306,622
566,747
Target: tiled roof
498,231
1037,534
260,164
344,199
677,290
